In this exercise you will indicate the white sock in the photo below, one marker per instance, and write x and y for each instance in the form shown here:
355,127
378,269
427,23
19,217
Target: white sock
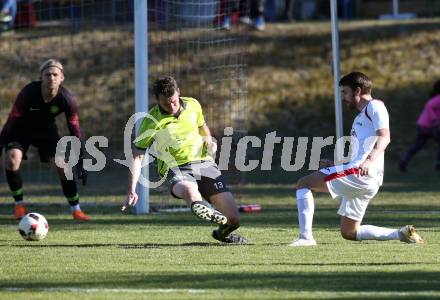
75,208
370,232
306,209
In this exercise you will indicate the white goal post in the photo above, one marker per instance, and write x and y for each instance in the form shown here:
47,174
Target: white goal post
141,86
336,74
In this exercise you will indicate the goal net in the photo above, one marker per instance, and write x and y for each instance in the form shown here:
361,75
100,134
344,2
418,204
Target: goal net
94,40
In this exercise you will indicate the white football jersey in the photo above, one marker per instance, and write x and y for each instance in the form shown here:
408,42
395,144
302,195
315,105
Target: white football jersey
363,137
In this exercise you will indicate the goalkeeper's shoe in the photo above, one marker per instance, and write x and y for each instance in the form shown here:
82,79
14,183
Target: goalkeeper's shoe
19,211
79,215
204,211
409,235
232,238
302,242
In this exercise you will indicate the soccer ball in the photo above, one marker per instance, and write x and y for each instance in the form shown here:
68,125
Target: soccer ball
33,227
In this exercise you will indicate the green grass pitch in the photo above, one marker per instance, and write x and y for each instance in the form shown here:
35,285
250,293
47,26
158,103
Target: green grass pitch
172,256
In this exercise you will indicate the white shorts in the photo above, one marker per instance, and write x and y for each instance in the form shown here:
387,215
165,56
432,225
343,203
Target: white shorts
355,192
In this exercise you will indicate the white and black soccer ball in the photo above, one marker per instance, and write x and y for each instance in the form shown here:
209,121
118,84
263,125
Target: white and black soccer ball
33,227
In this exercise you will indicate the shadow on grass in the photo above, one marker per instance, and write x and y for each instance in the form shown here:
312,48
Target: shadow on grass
270,219
373,281
125,246
351,264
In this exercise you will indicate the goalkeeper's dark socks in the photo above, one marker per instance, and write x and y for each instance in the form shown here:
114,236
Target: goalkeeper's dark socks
70,191
74,203
16,185
18,196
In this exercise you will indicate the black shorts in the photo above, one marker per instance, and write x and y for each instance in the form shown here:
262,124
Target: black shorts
206,174
46,144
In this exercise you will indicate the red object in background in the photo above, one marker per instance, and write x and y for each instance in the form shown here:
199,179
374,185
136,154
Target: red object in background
220,14
234,18
26,16
250,208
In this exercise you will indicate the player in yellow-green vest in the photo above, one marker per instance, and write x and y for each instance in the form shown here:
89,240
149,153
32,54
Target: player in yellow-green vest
181,141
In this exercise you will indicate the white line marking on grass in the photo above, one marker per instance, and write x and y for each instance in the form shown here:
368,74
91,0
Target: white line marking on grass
103,290
306,294
429,212
174,210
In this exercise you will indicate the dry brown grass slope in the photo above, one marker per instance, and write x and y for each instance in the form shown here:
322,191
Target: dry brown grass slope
290,84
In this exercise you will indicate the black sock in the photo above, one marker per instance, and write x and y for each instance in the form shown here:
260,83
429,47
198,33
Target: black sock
15,184
70,191
225,230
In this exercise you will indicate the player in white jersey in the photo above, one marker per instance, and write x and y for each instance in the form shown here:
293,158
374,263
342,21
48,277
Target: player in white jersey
357,182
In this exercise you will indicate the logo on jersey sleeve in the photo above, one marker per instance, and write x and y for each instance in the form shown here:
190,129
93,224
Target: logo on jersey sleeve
353,133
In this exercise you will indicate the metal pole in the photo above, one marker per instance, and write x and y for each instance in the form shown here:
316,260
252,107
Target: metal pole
141,86
336,70
396,15
395,8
